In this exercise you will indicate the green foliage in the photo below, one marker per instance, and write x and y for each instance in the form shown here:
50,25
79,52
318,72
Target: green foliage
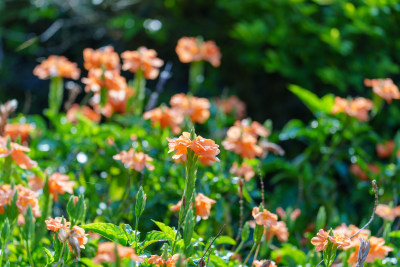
109,231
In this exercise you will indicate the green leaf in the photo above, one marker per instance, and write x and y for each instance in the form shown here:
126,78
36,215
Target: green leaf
225,240
88,262
50,258
140,202
395,234
290,255
5,231
154,237
312,101
166,229
245,232
109,231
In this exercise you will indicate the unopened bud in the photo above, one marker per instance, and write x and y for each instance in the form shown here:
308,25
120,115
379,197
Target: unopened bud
281,213
75,200
295,214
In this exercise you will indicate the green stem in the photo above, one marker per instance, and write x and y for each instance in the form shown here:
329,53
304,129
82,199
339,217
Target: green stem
3,247
136,233
175,239
196,76
251,252
7,170
56,94
140,87
29,253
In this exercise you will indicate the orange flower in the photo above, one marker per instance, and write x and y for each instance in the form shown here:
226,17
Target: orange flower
166,117
357,171
159,261
261,263
385,88
241,138
57,66
56,223
232,105
17,153
85,111
340,239
359,108
386,212
59,184
6,195
135,160
143,58
196,108
350,231
320,241
211,53
206,149
27,197
97,59
18,130
116,102
386,149
190,49
110,80
377,250
35,183
279,230
265,217
203,206
340,105
244,170
106,253
77,233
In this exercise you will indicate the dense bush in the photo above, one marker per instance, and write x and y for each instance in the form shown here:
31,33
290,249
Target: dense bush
149,199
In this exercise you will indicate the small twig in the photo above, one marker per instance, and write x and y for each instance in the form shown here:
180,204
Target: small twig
241,185
256,254
205,253
375,187
262,186
164,76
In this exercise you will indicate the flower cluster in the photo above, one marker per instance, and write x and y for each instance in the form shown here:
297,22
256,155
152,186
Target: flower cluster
190,49
357,107
59,184
143,58
25,198
242,138
194,107
205,149
57,66
75,237
385,88
17,153
135,160
232,105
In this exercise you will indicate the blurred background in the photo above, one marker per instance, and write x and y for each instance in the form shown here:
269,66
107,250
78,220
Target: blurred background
322,45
